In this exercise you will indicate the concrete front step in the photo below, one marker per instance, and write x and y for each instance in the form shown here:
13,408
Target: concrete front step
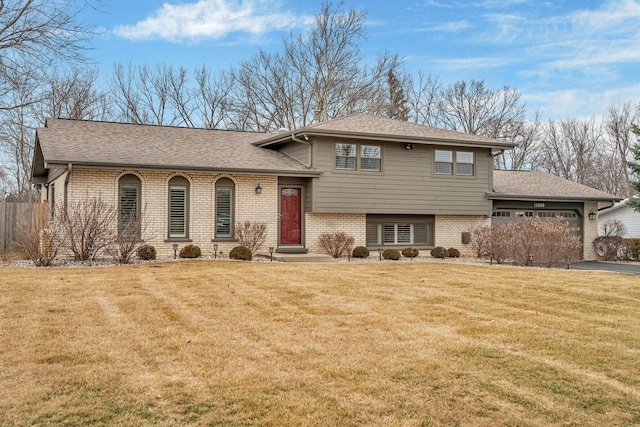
299,257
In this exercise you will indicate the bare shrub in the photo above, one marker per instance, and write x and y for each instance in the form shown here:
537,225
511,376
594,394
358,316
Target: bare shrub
556,243
251,234
89,223
40,239
126,241
336,243
502,245
481,240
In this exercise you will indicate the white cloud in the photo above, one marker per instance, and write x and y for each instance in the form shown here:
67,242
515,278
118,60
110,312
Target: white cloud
210,19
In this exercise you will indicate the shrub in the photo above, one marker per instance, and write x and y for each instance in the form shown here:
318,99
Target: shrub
453,253
633,249
190,251
240,252
481,240
251,234
439,252
336,243
146,252
410,252
39,238
360,252
392,254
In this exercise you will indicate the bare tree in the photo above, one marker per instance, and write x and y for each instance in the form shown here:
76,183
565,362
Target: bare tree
151,96
617,126
211,97
570,148
471,108
423,95
526,154
73,94
33,34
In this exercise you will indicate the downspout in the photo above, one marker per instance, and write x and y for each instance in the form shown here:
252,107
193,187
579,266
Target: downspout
66,184
305,141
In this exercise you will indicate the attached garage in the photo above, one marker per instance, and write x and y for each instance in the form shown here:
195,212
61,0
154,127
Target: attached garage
522,194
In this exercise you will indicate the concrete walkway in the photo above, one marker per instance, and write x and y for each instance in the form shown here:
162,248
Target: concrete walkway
618,267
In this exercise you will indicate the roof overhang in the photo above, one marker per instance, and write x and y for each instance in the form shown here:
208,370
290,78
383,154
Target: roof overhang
536,198
120,166
283,138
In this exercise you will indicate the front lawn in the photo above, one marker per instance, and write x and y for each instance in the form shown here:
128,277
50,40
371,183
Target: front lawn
230,343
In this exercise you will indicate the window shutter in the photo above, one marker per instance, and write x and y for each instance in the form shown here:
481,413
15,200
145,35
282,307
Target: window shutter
404,234
178,212
223,212
128,208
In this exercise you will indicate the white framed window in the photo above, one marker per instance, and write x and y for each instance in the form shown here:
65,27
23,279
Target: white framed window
370,158
450,162
464,163
346,156
444,162
396,234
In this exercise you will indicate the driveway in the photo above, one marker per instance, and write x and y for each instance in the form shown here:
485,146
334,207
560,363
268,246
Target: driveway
628,268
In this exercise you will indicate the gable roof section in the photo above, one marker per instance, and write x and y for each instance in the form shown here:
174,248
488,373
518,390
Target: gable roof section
366,126
535,185
131,146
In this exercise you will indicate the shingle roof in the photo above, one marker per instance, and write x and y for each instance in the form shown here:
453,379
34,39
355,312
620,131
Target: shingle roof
525,185
127,145
366,126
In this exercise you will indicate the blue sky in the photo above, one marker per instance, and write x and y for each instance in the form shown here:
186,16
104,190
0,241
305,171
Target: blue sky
567,58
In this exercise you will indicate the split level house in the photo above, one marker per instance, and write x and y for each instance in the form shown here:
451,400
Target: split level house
388,183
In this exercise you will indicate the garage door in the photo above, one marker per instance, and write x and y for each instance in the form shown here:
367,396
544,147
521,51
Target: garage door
502,216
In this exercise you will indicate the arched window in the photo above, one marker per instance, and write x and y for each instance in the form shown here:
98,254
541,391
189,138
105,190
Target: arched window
129,187
224,208
178,208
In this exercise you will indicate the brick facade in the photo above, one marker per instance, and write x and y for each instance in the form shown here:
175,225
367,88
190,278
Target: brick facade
590,232
201,225
449,229
318,223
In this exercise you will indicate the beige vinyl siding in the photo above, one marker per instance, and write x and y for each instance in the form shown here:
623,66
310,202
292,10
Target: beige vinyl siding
298,151
406,185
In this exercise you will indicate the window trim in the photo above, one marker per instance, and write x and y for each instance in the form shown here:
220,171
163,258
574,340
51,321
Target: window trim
224,183
454,163
130,180
178,182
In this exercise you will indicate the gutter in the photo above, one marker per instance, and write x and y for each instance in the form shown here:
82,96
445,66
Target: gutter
66,184
305,141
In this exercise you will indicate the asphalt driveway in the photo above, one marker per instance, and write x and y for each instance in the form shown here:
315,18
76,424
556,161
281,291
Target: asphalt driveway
628,268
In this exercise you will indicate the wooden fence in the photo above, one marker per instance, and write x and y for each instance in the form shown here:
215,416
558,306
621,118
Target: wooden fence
12,214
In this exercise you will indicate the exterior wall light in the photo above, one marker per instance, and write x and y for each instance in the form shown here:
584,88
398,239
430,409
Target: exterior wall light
258,189
592,215
409,146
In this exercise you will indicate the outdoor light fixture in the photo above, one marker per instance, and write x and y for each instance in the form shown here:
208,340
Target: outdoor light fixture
91,252
175,250
409,146
271,252
258,189
380,253
592,215
349,253
215,250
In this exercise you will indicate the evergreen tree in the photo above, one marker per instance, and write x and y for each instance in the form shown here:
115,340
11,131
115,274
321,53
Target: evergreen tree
634,201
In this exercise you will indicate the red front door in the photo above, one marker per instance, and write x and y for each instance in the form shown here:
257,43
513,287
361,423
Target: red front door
290,216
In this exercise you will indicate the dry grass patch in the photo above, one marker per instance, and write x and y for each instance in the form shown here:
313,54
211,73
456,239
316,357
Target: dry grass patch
207,343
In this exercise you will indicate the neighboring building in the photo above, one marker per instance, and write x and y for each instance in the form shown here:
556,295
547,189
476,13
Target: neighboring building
388,183
623,213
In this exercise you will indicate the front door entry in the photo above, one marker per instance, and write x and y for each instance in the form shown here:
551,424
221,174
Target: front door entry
290,216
